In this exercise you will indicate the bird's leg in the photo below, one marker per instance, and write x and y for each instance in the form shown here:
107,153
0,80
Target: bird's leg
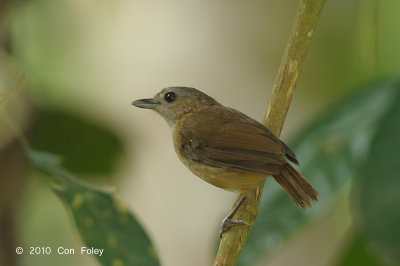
227,223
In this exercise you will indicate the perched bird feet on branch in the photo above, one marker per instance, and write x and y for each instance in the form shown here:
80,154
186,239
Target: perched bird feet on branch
228,223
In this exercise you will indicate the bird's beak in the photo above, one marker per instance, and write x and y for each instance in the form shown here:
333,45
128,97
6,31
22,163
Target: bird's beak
145,103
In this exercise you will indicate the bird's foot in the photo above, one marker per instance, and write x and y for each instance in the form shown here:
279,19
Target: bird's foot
228,223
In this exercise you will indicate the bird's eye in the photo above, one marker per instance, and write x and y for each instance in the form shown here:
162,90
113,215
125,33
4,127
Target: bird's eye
170,97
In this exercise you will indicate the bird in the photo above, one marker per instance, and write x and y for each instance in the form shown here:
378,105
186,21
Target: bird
227,148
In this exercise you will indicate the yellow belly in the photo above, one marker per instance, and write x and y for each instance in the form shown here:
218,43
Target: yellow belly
235,181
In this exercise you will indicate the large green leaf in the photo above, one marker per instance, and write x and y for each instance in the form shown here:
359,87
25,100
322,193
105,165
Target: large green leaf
102,221
331,151
379,187
85,146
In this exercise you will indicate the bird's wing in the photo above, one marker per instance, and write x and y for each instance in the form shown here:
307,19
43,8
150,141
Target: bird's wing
229,139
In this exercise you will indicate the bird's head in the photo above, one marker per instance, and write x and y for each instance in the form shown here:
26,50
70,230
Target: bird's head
173,103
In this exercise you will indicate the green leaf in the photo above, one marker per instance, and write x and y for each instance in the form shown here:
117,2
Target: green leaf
102,221
379,188
360,253
85,146
331,151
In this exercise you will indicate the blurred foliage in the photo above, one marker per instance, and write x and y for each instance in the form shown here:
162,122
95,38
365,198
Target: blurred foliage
359,253
102,221
85,146
378,187
55,44
342,144
13,169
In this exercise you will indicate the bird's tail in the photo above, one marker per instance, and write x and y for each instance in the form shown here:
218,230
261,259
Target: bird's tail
298,188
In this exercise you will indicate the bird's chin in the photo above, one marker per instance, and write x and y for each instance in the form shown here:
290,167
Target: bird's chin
167,117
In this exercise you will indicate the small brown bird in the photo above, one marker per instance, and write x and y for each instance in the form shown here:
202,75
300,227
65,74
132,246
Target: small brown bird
226,148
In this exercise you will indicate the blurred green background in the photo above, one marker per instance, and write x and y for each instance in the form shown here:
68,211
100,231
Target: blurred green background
70,69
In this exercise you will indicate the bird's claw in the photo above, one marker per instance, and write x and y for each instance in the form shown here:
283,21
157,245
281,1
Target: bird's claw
228,223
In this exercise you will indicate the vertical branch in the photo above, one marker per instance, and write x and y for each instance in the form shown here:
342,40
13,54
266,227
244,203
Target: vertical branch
368,31
303,29
307,16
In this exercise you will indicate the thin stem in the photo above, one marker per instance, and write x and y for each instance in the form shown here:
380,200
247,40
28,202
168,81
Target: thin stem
307,16
368,33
